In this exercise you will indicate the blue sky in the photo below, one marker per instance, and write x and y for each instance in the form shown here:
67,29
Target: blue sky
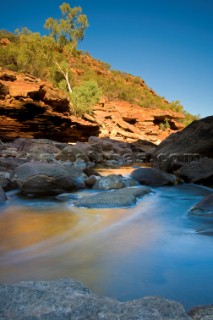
169,43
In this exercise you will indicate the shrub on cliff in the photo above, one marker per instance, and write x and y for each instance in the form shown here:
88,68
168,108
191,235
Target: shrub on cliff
84,96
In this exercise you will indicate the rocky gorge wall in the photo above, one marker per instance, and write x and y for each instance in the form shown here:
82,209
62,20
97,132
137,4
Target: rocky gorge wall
32,108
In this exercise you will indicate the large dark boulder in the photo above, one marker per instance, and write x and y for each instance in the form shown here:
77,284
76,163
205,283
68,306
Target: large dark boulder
200,171
197,138
153,177
124,197
67,299
40,178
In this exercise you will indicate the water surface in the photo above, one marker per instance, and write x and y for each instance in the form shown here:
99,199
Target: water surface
154,248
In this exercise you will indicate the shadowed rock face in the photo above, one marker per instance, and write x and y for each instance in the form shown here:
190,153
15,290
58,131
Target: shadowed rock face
186,152
195,138
68,299
153,177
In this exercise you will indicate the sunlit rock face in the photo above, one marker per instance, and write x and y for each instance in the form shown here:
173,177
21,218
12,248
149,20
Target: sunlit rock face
32,108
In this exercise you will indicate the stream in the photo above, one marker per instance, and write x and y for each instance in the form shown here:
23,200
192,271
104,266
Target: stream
152,249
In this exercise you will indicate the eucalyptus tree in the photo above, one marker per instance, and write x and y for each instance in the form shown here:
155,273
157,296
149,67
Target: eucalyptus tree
63,39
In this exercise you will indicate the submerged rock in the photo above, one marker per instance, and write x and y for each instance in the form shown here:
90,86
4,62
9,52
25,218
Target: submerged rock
204,207
68,299
153,177
124,197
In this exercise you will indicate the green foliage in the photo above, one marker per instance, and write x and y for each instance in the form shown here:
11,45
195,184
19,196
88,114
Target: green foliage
176,106
190,118
164,125
84,96
70,28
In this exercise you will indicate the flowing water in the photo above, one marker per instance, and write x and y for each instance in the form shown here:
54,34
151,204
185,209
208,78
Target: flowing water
154,248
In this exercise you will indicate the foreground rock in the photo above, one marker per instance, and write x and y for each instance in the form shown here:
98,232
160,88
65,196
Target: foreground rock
68,299
116,198
153,177
204,207
38,178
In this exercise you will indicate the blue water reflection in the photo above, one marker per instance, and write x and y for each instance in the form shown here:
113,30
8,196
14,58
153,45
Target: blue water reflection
155,248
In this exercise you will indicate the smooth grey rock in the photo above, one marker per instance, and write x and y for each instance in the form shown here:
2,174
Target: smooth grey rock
112,181
37,148
5,180
204,207
153,177
130,182
67,299
124,197
91,180
39,178
71,153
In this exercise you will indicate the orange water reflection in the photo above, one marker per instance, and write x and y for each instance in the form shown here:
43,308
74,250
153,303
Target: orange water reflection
21,227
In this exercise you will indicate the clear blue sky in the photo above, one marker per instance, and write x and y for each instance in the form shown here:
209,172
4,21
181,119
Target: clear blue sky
169,43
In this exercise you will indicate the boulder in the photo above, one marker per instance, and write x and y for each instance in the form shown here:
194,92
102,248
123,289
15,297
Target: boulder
112,181
124,197
199,171
35,149
91,180
204,207
68,299
40,178
153,177
71,153
197,138
5,180
3,196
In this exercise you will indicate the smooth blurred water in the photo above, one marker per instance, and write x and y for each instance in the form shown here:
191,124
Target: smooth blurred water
154,248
